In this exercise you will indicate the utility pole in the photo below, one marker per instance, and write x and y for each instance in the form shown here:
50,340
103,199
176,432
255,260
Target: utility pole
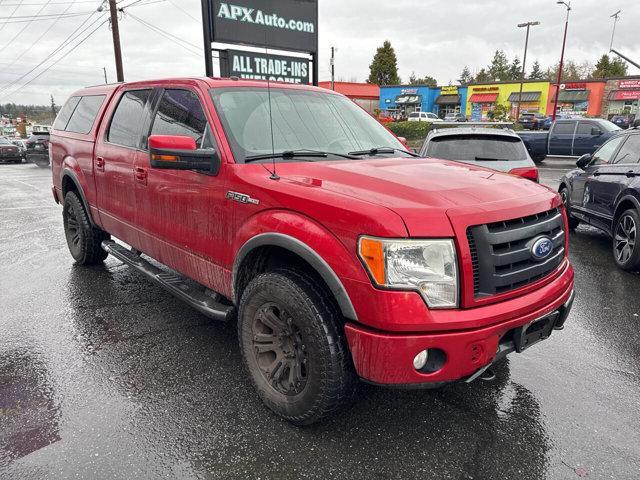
104,69
524,63
115,30
615,17
564,42
333,68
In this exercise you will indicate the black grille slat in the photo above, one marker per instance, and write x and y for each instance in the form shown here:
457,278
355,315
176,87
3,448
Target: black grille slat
501,252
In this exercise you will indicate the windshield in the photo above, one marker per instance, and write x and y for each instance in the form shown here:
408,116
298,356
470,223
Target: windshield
608,126
4,141
302,120
478,147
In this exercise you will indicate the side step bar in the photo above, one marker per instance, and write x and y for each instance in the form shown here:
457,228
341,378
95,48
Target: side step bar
175,284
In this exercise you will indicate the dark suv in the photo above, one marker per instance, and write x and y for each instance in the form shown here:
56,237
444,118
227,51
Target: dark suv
38,149
604,191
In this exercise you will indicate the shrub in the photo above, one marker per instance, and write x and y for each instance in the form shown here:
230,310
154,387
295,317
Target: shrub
410,130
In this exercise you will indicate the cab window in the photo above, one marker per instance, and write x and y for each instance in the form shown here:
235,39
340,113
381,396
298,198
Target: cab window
180,113
604,155
629,152
127,119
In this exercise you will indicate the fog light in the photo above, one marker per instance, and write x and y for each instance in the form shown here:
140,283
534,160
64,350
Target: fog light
420,360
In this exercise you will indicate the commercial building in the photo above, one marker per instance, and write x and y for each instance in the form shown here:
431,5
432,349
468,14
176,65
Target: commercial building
401,100
483,98
367,95
621,96
584,97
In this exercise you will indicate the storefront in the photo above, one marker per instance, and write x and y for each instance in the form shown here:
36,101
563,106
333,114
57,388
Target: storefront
449,100
580,98
399,101
367,95
482,99
623,96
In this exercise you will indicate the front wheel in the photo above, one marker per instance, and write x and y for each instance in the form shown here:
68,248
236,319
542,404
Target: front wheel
293,346
626,251
573,222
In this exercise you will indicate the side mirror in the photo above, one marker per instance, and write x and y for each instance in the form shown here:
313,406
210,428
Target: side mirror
178,152
584,161
596,132
636,123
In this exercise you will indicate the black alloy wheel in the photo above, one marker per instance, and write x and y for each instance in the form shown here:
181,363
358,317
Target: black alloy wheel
625,241
279,350
83,239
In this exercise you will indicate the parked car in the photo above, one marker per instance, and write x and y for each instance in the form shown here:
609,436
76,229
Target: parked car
572,137
423,117
339,254
623,121
455,117
38,149
532,121
9,153
546,125
22,146
604,191
493,148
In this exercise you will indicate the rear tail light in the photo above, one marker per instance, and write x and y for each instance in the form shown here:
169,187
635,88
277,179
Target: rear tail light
526,172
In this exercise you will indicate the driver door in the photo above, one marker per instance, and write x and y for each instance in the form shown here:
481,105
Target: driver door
182,212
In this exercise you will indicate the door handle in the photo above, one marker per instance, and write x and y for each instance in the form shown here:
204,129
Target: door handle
596,174
141,175
631,173
100,164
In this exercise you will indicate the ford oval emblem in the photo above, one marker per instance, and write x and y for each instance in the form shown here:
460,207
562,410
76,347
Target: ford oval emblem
542,248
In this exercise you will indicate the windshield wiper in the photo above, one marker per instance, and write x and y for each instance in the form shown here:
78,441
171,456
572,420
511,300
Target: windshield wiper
382,150
489,159
296,154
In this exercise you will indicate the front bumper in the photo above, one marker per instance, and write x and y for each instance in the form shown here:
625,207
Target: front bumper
387,358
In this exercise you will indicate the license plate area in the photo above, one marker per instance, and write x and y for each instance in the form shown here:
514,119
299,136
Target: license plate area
534,332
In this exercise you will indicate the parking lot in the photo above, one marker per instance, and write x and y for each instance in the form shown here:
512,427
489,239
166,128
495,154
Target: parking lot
104,375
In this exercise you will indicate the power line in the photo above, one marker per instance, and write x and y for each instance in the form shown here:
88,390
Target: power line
23,28
184,11
12,13
169,36
42,18
64,43
58,60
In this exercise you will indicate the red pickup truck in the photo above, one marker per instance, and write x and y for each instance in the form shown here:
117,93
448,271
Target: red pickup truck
291,211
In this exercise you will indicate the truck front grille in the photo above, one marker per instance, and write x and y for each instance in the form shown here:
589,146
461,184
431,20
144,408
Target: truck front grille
501,252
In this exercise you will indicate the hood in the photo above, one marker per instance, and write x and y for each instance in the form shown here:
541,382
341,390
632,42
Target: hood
420,190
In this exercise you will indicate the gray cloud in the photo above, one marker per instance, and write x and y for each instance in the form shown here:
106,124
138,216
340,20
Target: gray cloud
430,37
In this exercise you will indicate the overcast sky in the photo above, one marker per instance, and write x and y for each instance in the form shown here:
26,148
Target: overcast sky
430,37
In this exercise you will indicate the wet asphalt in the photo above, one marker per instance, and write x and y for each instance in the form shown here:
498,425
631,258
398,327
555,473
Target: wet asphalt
104,375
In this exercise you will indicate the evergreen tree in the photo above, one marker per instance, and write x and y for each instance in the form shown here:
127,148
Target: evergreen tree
384,67
499,67
536,72
426,80
483,77
54,109
515,69
610,68
465,76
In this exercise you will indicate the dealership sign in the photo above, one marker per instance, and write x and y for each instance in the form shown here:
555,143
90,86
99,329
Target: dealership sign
285,25
262,66
279,24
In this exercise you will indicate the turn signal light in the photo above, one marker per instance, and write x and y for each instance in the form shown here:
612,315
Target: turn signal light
526,172
165,158
372,254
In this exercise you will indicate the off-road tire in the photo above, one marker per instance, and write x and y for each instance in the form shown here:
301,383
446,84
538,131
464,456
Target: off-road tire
631,217
331,380
84,241
573,222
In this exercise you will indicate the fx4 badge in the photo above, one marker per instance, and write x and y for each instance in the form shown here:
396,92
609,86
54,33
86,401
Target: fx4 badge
242,198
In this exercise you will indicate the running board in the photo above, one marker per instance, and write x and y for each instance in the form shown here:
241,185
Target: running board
175,284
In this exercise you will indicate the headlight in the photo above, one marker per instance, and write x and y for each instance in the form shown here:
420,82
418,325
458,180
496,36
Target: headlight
426,266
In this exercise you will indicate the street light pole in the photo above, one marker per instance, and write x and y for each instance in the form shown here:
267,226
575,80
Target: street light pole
564,42
615,17
524,62
333,68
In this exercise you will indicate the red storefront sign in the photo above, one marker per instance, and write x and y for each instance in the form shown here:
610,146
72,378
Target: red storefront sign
573,86
485,89
626,95
629,84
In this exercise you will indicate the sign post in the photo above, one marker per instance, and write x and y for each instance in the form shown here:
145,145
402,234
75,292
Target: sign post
283,25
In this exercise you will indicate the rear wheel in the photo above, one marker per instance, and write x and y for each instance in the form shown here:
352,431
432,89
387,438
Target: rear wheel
84,241
573,222
626,250
294,348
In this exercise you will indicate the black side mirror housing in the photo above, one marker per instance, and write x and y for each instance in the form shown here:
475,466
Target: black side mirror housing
596,132
584,161
203,160
636,123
